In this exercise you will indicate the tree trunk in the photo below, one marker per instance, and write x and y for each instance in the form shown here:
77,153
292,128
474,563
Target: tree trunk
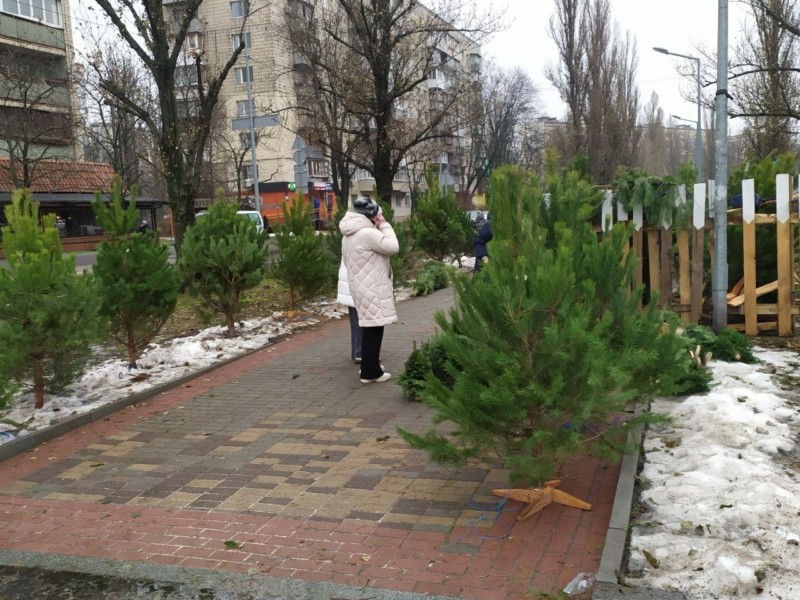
231,325
131,345
38,383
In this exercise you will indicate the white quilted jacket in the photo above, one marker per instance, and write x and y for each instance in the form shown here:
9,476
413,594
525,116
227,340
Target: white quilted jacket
366,251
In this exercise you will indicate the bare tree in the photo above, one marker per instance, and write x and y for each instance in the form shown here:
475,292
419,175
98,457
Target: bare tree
764,77
156,31
496,119
652,155
373,57
596,78
36,121
113,135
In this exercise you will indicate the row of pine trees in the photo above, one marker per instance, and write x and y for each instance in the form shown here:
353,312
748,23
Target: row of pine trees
52,318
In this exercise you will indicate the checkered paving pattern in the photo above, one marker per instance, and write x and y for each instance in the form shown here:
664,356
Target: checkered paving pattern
286,454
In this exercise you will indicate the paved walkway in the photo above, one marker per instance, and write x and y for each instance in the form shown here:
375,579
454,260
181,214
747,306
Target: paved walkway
282,466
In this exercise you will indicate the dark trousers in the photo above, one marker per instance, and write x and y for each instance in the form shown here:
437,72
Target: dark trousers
356,333
371,356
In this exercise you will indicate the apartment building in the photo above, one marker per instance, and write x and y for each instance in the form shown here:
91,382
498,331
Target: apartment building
265,88
37,102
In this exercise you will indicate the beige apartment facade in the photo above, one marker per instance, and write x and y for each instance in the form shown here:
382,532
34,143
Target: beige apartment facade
37,99
261,90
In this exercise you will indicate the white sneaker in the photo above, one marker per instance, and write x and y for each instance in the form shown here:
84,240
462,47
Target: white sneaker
381,379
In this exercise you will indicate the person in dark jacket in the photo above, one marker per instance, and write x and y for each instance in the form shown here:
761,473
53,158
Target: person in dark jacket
482,237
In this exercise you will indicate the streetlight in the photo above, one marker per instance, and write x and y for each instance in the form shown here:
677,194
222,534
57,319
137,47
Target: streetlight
698,144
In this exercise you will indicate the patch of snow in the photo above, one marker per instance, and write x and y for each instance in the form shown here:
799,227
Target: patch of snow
720,489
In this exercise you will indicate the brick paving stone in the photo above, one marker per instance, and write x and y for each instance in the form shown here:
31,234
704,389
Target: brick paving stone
284,452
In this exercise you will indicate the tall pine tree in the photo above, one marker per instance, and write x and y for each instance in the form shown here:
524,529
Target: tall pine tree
223,256
548,338
48,312
139,287
439,227
302,263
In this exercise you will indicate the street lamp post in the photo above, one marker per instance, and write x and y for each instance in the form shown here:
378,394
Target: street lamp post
698,140
251,115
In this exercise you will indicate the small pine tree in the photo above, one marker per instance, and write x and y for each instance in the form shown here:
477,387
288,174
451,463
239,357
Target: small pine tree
223,255
403,261
302,263
139,288
439,227
547,341
48,312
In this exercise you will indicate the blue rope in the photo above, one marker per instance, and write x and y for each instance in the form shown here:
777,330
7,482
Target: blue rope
498,507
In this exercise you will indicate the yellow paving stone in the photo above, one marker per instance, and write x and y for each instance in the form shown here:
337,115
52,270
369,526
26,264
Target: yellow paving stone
264,461
237,505
74,497
288,490
272,509
16,487
144,501
296,449
181,498
396,485
101,446
79,471
142,467
295,511
345,422
249,435
327,435
228,449
122,435
194,436
204,483
270,479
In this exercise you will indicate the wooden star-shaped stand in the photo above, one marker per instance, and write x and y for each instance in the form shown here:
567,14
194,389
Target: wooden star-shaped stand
538,498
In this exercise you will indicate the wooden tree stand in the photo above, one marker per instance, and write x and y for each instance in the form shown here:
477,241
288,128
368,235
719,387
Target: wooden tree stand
538,498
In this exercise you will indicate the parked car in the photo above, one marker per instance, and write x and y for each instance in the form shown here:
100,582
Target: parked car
253,215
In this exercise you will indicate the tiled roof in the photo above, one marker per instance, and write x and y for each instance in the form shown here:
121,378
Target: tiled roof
62,177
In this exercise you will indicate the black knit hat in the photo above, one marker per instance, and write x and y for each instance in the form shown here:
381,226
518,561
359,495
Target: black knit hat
366,206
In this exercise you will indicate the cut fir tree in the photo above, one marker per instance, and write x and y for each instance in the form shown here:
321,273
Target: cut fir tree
548,340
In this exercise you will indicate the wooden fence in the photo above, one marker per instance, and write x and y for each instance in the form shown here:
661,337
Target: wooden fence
676,263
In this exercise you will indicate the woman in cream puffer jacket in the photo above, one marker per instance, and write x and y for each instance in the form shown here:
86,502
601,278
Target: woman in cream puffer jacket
368,242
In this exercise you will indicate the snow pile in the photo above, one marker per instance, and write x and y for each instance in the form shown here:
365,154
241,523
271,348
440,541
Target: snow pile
160,363
720,489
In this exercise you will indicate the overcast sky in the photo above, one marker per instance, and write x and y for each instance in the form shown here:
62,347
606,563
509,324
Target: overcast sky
680,26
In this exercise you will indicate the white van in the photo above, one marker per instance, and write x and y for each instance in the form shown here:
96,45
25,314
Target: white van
253,215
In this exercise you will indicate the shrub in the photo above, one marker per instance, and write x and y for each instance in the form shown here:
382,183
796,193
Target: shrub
223,255
302,262
48,312
433,276
138,286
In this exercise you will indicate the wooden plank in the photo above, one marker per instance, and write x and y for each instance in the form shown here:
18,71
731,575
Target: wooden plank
759,291
697,274
764,309
749,296
785,279
653,257
638,245
665,261
684,273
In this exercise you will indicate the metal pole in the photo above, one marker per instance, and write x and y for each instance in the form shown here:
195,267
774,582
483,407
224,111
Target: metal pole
698,141
250,110
719,275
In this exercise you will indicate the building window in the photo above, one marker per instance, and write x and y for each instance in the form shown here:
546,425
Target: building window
237,40
239,8
185,75
243,108
317,167
244,139
244,74
246,172
194,40
44,11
